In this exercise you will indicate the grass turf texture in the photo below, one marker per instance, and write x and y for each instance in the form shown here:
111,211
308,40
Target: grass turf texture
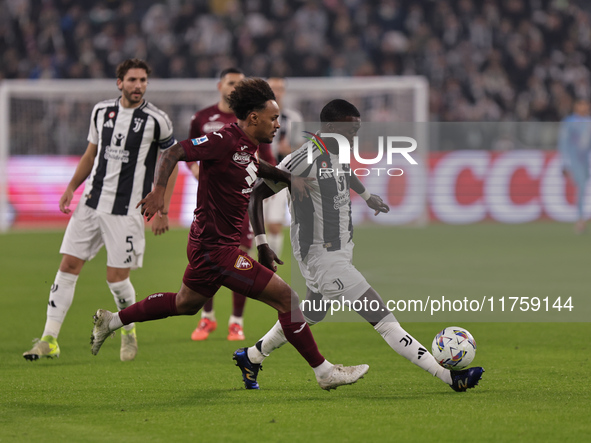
536,386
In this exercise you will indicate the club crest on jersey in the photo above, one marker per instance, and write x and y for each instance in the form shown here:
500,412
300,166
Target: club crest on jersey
111,114
242,158
138,122
198,141
243,263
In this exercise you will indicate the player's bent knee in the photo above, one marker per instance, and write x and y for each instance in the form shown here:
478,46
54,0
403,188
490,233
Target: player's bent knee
71,264
279,295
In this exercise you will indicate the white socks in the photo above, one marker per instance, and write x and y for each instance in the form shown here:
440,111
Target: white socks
60,300
208,315
237,320
272,340
407,346
124,294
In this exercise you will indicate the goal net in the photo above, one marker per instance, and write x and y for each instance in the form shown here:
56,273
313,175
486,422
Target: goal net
44,125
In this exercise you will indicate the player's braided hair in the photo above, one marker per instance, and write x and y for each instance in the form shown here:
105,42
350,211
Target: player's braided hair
132,63
337,110
250,94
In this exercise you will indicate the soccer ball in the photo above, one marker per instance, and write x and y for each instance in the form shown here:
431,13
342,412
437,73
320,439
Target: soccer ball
454,348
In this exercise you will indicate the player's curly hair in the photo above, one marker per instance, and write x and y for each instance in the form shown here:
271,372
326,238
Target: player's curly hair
131,63
337,110
250,94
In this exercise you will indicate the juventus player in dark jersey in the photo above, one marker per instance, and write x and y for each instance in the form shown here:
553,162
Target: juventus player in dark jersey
322,239
205,122
124,139
229,169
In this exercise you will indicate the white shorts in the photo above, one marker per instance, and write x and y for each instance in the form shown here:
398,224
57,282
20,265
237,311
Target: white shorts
275,207
332,274
122,235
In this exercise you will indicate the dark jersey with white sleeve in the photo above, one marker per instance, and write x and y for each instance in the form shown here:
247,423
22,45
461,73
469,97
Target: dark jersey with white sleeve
324,219
128,141
228,171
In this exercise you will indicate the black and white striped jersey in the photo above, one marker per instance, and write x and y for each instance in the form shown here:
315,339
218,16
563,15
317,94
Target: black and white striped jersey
128,141
325,218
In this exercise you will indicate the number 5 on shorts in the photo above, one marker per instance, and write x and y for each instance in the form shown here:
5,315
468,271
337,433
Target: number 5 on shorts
128,240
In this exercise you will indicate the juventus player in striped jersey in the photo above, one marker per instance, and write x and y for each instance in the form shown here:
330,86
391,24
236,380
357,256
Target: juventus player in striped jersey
229,168
321,235
125,137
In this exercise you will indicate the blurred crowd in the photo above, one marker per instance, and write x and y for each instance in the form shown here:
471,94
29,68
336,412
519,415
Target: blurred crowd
486,60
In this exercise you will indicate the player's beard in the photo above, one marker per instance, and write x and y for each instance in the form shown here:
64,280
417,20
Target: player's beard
130,99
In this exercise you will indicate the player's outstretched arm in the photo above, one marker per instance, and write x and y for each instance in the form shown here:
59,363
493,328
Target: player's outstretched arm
82,172
374,201
298,186
266,255
154,201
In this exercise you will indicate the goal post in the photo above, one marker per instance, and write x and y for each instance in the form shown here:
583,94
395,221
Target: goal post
46,119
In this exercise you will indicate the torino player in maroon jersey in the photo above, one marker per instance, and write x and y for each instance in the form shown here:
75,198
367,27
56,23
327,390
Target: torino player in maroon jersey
229,169
205,122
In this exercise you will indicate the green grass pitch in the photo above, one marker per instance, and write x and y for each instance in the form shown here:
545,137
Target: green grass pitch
536,386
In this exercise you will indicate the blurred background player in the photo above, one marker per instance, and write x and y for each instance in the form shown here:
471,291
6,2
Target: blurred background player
574,144
123,141
206,121
322,239
275,207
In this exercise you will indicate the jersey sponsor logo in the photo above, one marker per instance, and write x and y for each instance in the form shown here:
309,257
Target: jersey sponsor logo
109,124
112,153
341,200
211,127
242,148
247,190
213,117
242,158
218,134
138,122
198,141
243,263
118,139
252,174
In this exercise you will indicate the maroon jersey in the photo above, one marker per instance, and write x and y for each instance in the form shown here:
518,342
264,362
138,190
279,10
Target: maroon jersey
212,119
208,120
228,171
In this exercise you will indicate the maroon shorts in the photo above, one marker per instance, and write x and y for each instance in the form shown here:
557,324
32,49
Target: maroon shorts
246,234
227,266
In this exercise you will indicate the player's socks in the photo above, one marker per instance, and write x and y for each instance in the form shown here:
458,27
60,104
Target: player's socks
323,370
207,310
60,300
153,307
410,348
238,302
276,243
236,320
124,294
298,333
273,339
